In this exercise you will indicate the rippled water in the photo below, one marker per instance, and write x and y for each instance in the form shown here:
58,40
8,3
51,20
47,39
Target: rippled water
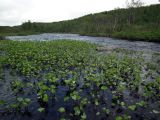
118,43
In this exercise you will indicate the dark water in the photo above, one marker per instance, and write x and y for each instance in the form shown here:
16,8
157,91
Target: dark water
151,53
136,45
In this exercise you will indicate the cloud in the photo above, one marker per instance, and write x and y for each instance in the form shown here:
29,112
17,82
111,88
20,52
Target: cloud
11,11
14,12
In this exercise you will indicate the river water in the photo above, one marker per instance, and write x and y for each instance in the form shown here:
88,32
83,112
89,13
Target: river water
118,43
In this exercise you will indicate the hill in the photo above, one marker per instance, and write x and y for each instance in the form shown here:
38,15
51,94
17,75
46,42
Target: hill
142,23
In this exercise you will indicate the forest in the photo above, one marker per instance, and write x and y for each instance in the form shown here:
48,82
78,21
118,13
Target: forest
134,23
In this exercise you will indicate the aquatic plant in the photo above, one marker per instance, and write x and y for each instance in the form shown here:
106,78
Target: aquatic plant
73,80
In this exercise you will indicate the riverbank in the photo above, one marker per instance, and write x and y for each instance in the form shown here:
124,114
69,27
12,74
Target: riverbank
129,36
153,36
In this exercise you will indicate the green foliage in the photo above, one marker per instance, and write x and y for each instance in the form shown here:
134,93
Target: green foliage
75,96
41,109
83,116
77,110
61,110
144,24
141,104
2,102
119,118
103,88
105,83
132,107
23,102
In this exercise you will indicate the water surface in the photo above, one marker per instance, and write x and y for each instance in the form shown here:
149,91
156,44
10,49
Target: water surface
118,43
148,50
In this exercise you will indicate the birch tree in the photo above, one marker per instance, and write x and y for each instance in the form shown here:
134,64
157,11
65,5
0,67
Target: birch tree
131,5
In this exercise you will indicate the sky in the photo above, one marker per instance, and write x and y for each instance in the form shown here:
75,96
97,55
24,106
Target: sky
15,12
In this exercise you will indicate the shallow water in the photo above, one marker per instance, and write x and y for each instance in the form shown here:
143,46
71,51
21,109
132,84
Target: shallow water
150,52
118,43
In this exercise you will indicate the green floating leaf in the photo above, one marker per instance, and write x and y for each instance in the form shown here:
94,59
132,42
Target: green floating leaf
13,105
122,104
156,112
98,113
2,102
75,95
119,118
41,109
27,100
61,109
66,98
96,102
126,117
141,104
83,116
132,107
107,111
20,99
45,98
77,110
104,88
158,79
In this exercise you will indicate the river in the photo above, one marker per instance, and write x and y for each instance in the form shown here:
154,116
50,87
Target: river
118,43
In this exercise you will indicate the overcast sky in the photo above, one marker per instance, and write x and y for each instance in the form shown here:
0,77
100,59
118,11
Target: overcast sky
14,12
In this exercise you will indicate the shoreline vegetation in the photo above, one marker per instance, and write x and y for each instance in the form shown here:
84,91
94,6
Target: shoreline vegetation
81,80
72,80
141,23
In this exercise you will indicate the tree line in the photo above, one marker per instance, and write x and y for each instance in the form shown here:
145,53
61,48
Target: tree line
143,20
